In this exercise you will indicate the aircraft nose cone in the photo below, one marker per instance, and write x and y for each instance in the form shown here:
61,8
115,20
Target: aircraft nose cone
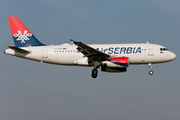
173,56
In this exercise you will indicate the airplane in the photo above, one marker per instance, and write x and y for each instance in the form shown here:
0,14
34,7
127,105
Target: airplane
113,58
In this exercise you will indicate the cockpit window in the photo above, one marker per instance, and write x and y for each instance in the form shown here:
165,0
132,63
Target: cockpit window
163,49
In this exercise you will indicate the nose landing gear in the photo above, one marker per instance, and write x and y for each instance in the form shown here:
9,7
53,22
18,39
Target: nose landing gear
150,67
150,72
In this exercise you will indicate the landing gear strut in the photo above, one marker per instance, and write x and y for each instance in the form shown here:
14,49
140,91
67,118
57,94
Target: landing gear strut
95,71
150,67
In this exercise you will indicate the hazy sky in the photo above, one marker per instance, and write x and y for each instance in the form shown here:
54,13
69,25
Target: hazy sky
37,91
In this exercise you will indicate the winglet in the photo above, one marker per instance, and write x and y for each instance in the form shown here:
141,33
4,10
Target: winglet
72,41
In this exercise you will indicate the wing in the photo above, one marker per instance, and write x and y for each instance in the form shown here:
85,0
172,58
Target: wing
91,53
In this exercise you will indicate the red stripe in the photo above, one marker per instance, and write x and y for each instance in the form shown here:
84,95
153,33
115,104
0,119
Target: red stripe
119,59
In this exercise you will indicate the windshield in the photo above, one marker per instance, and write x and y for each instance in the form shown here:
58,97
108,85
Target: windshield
163,49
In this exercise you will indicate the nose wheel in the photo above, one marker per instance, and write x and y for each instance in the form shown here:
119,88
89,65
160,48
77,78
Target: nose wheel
94,73
150,72
150,67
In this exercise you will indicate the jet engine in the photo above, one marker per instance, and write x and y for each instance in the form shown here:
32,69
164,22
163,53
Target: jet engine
115,64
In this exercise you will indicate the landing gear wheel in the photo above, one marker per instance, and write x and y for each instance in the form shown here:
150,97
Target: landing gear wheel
94,73
150,67
150,72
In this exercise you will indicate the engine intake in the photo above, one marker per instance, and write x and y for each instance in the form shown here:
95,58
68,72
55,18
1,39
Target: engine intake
115,64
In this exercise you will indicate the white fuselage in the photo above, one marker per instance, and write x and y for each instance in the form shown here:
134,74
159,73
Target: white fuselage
67,54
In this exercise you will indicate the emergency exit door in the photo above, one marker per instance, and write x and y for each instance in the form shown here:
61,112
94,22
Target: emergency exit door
150,50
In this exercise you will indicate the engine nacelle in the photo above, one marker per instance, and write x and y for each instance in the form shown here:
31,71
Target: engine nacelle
105,68
116,64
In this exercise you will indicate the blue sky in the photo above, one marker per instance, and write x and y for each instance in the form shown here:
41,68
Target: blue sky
32,90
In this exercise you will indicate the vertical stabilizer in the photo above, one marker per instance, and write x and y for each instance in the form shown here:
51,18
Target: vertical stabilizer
21,35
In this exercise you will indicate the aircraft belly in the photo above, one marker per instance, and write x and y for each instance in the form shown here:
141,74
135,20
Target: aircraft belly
134,59
63,59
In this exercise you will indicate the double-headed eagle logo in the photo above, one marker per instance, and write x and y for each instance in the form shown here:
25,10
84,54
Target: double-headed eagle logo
21,37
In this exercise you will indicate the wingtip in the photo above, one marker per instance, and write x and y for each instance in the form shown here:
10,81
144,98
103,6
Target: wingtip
72,41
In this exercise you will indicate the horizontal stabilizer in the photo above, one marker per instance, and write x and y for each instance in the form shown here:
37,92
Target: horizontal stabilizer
16,49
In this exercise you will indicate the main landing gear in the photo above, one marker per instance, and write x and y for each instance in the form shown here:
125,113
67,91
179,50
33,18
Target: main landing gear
94,73
150,67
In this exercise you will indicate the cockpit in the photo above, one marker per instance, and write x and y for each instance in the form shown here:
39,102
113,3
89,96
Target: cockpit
163,49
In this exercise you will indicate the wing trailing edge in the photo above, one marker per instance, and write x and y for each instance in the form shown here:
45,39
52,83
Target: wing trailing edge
91,53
